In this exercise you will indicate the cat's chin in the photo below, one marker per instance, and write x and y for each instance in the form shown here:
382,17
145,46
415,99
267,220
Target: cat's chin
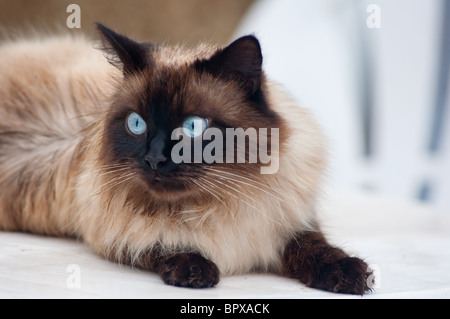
168,189
171,195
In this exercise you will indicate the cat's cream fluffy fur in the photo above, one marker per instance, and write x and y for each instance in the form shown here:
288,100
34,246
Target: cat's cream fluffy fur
54,95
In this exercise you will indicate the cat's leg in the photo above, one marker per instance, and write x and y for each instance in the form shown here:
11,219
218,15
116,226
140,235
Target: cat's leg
312,260
180,269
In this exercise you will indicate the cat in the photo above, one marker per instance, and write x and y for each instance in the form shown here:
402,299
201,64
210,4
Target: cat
85,152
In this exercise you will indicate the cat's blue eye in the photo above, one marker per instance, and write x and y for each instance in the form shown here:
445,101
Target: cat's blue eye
194,126
136,124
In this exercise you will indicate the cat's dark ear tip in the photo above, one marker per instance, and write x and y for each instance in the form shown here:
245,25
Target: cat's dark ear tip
99,26
249,44
102,28
105,31
121,51
251,38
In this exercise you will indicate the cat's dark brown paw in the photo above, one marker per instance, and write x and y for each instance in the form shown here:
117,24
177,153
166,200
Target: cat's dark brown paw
189,270
348,275
317,264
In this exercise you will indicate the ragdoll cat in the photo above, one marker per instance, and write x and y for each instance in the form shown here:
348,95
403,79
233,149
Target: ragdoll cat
86,150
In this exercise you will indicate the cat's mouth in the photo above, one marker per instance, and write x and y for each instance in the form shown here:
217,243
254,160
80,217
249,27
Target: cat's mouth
167,186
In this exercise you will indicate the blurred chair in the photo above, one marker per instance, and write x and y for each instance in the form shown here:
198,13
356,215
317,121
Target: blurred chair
381,94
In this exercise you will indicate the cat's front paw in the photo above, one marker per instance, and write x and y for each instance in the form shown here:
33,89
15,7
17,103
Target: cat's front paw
348,275
312,260
189,270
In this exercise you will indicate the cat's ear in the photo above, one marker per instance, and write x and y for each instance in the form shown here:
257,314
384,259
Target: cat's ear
128,55
240,61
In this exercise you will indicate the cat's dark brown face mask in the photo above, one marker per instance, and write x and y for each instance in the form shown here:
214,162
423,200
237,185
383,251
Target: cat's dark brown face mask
224,89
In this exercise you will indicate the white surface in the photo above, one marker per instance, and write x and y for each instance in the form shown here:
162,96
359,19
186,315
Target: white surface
408,243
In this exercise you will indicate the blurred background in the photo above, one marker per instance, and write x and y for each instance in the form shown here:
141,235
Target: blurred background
168,21
375,73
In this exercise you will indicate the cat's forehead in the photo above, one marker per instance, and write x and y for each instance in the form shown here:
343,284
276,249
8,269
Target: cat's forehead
177,56
173,85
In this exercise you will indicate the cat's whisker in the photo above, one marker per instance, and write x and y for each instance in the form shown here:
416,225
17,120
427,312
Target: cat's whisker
114,171
122,181
106,170
236,190
250,192
116,179
214,186
216,194
113,165
208,191
190,211
108,167
228,193
205,216
247,203
223,171
245,183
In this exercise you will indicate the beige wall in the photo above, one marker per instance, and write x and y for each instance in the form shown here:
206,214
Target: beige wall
172,21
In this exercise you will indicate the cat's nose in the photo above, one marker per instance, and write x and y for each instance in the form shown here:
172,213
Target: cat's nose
155,160
155,155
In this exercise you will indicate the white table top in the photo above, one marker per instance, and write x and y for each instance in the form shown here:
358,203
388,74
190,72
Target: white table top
408,243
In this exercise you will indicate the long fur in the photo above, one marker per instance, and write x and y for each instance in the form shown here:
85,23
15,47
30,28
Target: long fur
55,96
